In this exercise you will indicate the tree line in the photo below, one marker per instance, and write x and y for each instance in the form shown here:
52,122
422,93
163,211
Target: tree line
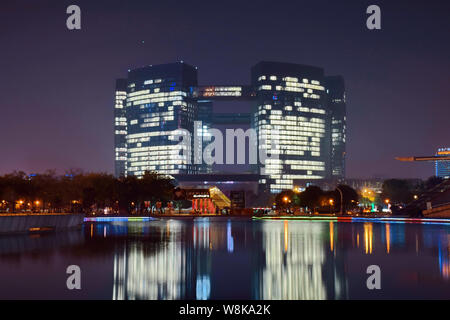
404,191
314,199
82,192
394,192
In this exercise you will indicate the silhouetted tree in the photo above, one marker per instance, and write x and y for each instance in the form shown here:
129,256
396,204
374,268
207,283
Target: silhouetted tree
311,197
286,199
397,191
77,191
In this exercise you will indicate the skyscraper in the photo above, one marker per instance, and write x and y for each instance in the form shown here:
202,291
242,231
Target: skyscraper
291,102
294,105
120,128
337,106
443,167
158,102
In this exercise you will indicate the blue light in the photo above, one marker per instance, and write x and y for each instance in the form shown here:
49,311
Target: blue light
109,219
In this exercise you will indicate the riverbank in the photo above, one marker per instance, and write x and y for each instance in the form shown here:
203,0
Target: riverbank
163,216
358,219
331,218
39,222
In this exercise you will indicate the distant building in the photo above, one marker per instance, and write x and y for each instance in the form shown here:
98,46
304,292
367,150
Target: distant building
298,101
291,99
374,184
158,102
442,167
336,104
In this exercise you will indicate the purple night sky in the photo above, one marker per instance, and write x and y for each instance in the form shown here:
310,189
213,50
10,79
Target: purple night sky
56,96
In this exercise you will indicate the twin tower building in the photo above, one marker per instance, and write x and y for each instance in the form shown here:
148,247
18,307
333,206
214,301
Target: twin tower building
296,106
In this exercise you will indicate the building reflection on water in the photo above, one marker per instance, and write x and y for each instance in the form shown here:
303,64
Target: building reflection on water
299,265
230,259
284,260
159,274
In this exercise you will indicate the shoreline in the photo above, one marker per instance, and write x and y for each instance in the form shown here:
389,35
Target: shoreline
329,218
39,222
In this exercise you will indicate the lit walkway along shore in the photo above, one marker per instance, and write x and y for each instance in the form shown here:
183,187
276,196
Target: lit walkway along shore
359,219
110,219
300,218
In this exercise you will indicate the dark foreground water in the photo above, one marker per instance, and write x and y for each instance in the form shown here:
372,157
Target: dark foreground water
229,259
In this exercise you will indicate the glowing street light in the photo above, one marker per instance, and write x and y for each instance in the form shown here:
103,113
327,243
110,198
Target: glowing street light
387,201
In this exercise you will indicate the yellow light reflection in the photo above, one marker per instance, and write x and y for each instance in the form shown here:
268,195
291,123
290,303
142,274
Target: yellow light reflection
388,238
368,237
285,236
445,269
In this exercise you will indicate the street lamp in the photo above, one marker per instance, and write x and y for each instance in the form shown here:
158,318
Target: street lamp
342,200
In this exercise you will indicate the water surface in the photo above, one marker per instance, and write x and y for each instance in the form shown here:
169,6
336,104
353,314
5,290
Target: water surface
210,258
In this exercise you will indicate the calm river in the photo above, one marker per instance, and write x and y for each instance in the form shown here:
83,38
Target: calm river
220,258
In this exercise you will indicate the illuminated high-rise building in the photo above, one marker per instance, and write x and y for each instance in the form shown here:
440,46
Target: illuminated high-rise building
158,103
443,167
291,105
337,107
120,128
294,106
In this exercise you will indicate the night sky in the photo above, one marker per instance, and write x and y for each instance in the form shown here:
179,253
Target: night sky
57,85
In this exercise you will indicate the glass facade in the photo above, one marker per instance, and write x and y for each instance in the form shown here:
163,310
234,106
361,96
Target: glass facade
291,107
120,128
294,105
158,102
443,167
203,124
337,106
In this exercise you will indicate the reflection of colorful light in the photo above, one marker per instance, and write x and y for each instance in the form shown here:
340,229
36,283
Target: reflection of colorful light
368,237
444,258
360,219
166,281
230,240
303,264
203,287
388,237
108,219
201,234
